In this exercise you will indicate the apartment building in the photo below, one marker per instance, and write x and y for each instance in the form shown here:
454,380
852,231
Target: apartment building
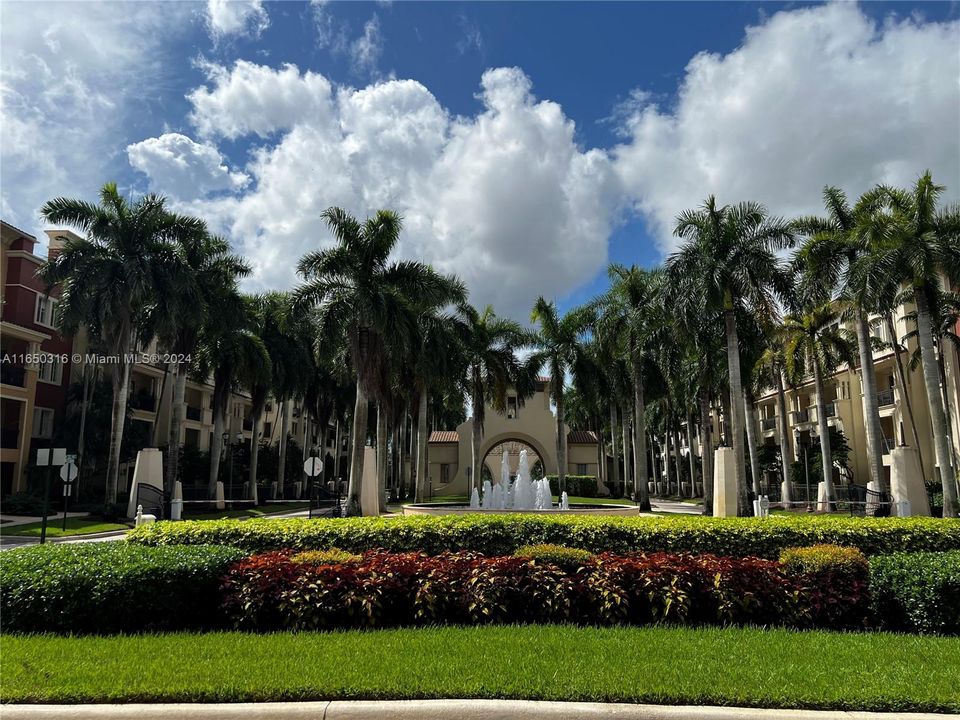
39,366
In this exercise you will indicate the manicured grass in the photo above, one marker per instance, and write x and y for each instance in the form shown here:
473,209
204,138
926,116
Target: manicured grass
75,526
260,511
728,666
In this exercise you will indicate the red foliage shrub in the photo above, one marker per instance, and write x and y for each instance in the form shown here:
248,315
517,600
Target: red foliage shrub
387,589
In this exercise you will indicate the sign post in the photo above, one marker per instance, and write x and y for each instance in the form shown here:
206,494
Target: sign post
48,457
313,466
68,473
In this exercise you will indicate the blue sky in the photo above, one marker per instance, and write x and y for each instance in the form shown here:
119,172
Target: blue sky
604,120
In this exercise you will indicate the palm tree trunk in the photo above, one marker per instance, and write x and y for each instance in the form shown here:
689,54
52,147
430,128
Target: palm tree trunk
871,412
935,400
177,408
336,450
81,437
641,492
823,429
666,462
941,366
752,444
216,442
357,443
737,410
561,441
707,453
786,496
284,407
382,434
421,479
121,389
690,457
901,383
255,456
401,451
475,441
615,477
653,462
625,444
158,402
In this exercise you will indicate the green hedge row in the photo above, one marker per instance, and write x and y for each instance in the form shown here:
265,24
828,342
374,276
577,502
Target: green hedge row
575,485
503,534
112,587
917,592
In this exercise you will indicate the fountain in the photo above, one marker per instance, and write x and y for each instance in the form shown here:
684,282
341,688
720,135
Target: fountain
521,495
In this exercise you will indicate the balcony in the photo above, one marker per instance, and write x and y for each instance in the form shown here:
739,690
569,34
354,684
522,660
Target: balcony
768,424
9,438
143,401
831,409
194,413
13,375
885,397
800,416
888,445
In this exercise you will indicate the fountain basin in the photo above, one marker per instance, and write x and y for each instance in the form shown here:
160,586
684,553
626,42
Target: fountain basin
456,508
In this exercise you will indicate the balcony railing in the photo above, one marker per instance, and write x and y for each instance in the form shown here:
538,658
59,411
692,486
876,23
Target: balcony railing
831,409
768,424
888,445
194,413
885,397
12,375
800,416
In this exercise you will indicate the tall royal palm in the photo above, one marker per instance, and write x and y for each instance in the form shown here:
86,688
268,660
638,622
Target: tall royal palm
129,255
559,344
827,258
231,353
729,259
814,346
919,244
367,302
492,367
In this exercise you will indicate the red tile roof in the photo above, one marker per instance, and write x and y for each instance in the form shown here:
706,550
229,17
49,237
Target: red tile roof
444,436
582,437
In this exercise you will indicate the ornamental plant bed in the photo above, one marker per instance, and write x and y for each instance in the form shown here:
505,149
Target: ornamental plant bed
277,591
504,534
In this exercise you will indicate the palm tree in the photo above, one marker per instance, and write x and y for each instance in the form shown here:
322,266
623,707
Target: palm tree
918,244
230,351
836,242
729,260
633,315
492,367
770,371
210,270
815,345
367,302
560,348
129,256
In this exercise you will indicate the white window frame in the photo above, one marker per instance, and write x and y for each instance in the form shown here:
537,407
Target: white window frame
53,362
45,316
38,432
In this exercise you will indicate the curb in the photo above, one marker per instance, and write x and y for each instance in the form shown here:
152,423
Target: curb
432,710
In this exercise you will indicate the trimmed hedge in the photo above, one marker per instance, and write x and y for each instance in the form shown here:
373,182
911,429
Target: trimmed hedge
575,485
111,587
917,592
563,557
504,534
270,591
835,582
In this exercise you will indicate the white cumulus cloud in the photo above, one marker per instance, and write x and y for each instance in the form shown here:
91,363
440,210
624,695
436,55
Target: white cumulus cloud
182,168
236,17
813,96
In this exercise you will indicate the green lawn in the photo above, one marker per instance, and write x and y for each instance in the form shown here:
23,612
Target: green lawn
75,526
751,667
260,511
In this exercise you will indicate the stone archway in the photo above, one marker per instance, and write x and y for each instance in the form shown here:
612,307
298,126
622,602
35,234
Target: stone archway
514,442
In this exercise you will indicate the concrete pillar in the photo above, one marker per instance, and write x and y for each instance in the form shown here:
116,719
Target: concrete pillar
369,494
906,482
724,483
221,503
147,471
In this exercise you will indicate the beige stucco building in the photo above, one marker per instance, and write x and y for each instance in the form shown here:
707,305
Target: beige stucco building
530,424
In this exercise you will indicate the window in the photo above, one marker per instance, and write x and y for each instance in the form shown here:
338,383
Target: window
581,468
444,473
51,371
45,310
511,408
266,430
42,422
